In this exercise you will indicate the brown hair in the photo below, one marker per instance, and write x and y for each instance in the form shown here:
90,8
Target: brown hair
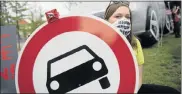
109,12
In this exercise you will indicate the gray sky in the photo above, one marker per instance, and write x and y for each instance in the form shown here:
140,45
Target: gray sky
60,6
84,7
47,6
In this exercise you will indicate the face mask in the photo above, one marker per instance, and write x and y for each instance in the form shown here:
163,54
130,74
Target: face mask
123,25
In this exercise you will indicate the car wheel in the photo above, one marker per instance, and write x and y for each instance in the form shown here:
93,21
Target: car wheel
152,27
168,26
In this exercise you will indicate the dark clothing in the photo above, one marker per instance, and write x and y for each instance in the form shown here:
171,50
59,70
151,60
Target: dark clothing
177,29
157,89
176,25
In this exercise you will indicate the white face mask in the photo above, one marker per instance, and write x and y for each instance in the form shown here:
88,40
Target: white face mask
123,25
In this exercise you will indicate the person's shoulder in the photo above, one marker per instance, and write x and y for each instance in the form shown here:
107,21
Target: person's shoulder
138,44
137,40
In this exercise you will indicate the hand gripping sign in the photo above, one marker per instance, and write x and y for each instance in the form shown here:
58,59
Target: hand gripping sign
77,54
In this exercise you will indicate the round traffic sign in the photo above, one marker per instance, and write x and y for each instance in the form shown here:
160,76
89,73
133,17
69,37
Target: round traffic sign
73,54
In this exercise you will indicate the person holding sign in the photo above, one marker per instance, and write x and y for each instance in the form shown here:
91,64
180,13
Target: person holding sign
118,13
176,18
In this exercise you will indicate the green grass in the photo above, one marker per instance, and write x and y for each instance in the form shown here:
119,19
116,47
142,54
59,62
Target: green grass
163,63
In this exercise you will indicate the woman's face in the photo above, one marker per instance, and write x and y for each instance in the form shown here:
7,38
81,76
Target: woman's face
122,11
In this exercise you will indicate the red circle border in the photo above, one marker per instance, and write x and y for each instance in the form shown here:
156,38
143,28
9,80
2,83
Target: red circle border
71,24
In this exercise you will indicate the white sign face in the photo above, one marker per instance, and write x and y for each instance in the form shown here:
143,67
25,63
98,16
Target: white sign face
66,54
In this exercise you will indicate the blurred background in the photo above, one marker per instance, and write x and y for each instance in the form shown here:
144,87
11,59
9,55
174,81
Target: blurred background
162,50
27,16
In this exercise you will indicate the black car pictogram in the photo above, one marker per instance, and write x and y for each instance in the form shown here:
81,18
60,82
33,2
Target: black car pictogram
79,75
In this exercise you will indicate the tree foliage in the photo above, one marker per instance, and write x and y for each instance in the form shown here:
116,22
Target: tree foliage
13,11
5,16
71,3
36,19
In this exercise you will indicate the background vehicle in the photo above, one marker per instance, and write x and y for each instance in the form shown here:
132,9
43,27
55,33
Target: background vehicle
148,17
169,21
